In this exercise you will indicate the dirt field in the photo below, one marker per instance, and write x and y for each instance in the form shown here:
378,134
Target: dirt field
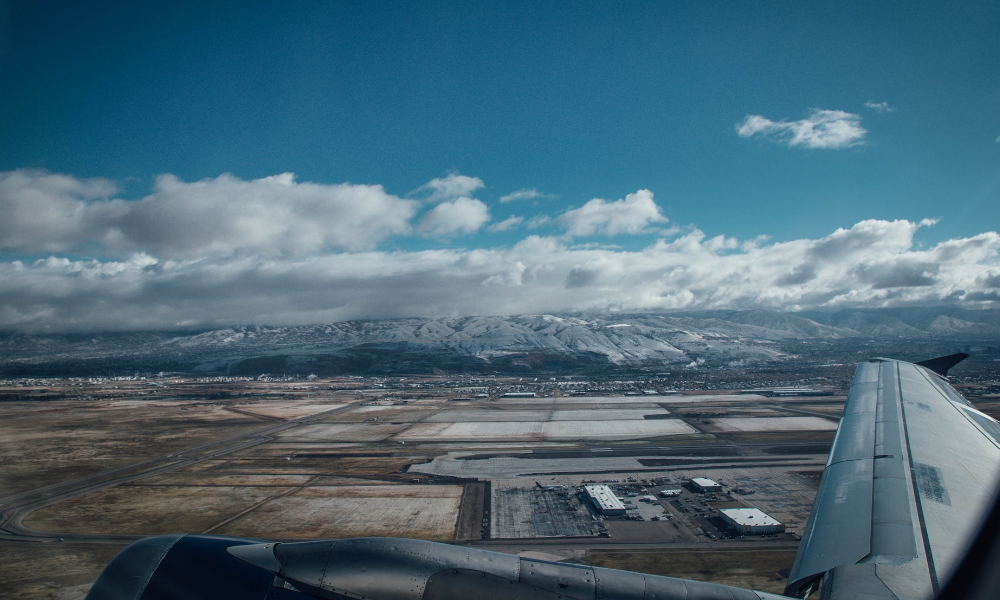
142,510
758,570
344,432
80,439
471,515
771,424
286,410
52,571
420,511
553,430
474,414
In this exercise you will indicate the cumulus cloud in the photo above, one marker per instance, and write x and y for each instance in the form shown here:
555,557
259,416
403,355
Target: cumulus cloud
459,216
873,263
227,251
524,194
634,214
449,187
821,129
508,223
48,212
213,217
879,107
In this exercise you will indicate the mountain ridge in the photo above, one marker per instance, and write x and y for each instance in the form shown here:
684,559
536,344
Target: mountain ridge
612,340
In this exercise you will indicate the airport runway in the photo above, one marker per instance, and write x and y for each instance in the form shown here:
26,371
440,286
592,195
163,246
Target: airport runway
15,508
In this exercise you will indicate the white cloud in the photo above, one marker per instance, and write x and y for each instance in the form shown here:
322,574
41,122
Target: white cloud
508,223
212,217
873,263
879,107
632,215
524,194
227,251
462,215
821,129
449,187
47,212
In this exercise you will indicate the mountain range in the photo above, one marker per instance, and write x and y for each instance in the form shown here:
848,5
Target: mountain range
501,343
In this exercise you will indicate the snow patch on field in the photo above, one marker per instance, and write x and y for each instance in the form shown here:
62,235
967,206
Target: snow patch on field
554,430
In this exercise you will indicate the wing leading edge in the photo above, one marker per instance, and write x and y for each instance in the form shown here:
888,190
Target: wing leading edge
912,471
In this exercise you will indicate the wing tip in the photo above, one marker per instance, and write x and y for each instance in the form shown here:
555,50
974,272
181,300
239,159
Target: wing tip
942,364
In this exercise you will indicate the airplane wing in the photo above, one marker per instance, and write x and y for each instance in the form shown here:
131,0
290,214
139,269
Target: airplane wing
910,476
911,473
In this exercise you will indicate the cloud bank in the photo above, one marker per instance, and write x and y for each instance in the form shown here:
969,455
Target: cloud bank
830,129
209,218
272,251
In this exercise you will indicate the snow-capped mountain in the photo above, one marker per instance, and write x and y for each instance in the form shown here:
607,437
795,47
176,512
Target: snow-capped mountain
483,343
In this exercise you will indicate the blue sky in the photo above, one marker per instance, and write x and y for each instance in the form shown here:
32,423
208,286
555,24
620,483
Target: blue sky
788,120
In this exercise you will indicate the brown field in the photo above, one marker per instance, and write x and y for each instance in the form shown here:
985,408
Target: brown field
331,465
287,410
758,570
80,439
471,515
390,414
206,479
57,571
142,510
344,432
420,511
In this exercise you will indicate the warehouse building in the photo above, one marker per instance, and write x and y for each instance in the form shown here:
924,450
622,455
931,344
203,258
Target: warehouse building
604,500
703,485
750,521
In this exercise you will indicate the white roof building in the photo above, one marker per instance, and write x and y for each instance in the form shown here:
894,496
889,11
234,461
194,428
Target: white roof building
751,521
705,485
605,501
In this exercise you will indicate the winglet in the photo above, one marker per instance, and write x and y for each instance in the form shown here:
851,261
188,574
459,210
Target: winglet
941,364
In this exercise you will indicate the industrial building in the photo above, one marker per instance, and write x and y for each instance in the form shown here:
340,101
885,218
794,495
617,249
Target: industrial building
750,521
703,485
605,501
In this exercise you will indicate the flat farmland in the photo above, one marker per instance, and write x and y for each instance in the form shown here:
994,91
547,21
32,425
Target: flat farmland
52,442
551,430
218,479
150,510
287,410
770,424
344,432
422,511
591,414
